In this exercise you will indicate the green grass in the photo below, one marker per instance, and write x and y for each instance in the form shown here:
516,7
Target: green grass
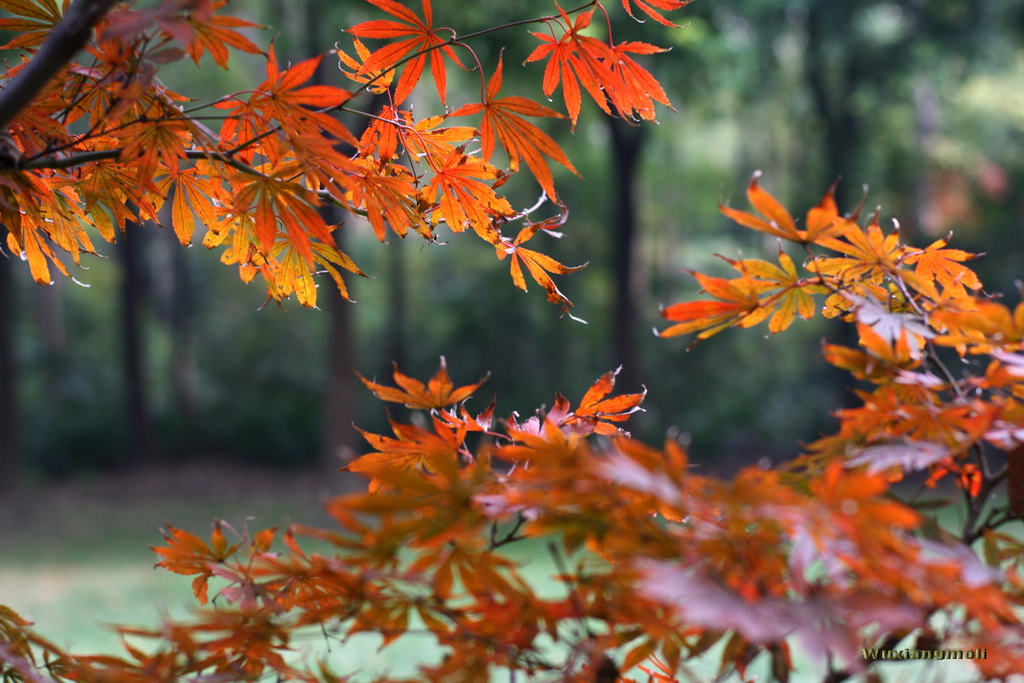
76,556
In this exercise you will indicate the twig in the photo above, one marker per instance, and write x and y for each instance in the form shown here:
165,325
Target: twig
511,536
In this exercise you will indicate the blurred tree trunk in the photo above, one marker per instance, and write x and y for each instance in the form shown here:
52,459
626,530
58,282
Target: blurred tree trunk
627,148
927,114
9,460
831,82
339,404
398,297
48,303
171,291
338,439
339,401
136,400
183,367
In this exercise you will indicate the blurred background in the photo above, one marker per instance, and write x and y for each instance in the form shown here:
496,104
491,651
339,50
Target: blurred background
164,368
165,357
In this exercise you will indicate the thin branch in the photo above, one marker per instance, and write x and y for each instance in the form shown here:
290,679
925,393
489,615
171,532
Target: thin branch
66,39
71,160
510,537
83,158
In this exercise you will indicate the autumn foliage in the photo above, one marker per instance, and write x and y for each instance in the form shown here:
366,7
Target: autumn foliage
658,563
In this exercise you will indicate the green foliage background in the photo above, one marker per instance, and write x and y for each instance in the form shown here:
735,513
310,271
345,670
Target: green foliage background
738,74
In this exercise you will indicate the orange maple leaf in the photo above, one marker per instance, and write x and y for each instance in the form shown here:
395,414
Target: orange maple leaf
945,266
502,120
870,257
575,60
778,223
537,264
153,143
192,23
280,98
607,72
374,83
194,195
32,23
277,199
968,475
438,392
415,450
651,7
737,304
822,220
838,486
29,241
387,195
186,553
215,34
465,198
636,90
597,412
281,89
794,295
981,325
381,137
426,138
108,190
424,42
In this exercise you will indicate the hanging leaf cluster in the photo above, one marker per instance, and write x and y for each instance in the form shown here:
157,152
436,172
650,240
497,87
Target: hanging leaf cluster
106,144
915,309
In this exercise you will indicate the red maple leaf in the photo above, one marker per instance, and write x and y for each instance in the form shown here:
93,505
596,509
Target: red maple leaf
424,42
575,60
502,121
438,392
651,7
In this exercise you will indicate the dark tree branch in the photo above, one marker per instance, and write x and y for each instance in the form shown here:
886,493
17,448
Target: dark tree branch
82,158
66,39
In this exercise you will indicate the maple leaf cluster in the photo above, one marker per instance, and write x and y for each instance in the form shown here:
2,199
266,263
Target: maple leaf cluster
105,143
657,562
909,305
